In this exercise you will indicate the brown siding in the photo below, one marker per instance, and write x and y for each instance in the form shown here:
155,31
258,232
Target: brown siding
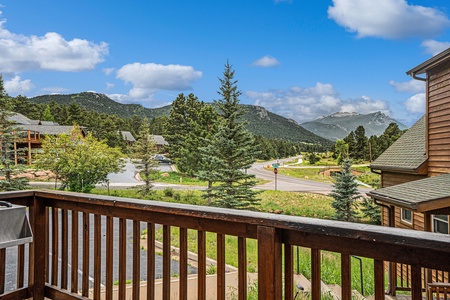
417,224
438,103
393,178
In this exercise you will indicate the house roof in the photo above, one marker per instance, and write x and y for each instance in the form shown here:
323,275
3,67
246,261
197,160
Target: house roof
127,136
429,64
19,119
424,195
159,139
406,154
47,129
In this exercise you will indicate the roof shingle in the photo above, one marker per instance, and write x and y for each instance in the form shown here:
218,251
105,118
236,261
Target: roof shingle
406,154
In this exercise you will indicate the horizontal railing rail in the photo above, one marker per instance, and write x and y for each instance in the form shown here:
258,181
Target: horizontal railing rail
88,245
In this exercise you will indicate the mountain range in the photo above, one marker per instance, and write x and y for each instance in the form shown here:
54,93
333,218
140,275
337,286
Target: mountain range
260,121
338,125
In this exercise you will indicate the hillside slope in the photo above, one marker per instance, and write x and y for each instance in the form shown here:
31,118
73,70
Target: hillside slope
261,121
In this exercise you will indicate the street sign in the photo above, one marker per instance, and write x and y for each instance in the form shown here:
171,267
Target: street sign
275,170
275,165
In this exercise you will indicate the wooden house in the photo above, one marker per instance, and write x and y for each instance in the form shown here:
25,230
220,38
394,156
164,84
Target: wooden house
30,134
415,170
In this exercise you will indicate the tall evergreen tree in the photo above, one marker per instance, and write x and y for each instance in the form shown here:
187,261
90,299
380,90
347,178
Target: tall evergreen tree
361,145
8,153
182,119
231,150
143,151
345,194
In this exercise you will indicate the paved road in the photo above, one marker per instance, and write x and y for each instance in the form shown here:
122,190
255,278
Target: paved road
291,184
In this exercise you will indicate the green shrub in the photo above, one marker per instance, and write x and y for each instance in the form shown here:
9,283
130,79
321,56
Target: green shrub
168,192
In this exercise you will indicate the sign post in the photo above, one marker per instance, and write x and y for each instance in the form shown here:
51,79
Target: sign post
275,171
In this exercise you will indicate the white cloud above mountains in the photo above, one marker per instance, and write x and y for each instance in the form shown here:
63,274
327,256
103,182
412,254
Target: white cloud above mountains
305,104
412,86
149,78
16,86
416,103
266,62
51,51
434,47
391,19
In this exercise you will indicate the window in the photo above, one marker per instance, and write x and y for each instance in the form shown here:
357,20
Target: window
407,216
440,224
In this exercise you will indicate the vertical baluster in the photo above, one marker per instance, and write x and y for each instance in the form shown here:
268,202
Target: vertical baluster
40,234
269,263
150,261
288,272
242,268
220,266
31,247
74,259
136,258
122,257
346,292
201,249
315,274
416,282
109,257
64,248
379,279
2,270
183,263
55,245
85,268
97,255
20,265
166,262
47,244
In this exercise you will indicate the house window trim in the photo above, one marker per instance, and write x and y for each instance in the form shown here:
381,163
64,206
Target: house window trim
406,221
432,224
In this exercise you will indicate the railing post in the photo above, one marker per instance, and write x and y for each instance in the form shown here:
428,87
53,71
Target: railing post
269,263
39,243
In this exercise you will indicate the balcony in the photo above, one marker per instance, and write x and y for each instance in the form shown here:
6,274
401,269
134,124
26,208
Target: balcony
90,232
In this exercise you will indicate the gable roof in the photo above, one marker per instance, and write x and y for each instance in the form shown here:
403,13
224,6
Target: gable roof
429,64
127,136
47,129
429,194
407,154
159,139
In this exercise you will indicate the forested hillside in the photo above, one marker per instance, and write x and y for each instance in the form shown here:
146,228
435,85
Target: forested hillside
260,121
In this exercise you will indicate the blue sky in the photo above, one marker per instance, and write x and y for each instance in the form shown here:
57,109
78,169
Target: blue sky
300,59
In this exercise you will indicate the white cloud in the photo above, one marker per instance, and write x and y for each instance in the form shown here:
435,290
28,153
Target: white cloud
305,104
434,47
266,61
412,86
390,19
49,52
109,85
108,71
149,78
15,86
416,103
54,90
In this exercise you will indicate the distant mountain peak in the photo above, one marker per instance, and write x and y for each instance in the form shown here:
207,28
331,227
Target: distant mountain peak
338,125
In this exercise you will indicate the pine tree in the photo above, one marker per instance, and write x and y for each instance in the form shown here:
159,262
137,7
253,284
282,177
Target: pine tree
345,194
231,150
8,153
143,150
47,115
360,143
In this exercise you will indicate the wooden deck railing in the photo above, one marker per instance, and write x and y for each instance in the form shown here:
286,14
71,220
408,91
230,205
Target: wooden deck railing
81,241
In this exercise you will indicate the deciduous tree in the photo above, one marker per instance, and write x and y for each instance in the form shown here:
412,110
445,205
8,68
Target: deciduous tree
80,162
